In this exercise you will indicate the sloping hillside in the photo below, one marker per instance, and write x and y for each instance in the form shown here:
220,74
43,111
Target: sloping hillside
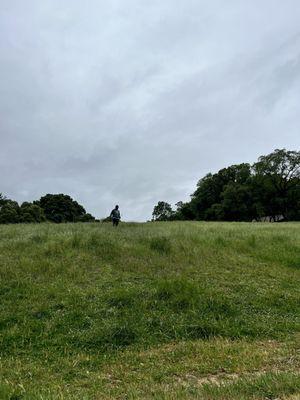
158,310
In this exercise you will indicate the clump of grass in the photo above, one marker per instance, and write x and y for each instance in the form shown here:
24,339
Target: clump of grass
122,335
220,241
106,247
54,249
160,244
76,240
204,330
180,293
122,298
251,241
41,314
113,336
39,238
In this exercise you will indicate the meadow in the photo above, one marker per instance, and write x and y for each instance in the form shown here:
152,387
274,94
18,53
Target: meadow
166,310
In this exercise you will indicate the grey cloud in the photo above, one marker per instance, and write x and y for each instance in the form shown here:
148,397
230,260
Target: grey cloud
132,102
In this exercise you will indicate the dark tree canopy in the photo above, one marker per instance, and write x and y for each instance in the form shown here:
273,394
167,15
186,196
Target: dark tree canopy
281,166
52,207
279,174
208,201
9,212
62,208
3,199
269,188
30,212
162,211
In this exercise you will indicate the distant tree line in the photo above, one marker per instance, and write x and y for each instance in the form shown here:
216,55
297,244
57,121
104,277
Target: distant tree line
51,207
268,188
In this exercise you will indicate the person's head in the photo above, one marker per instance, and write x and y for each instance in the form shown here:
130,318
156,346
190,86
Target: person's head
117,207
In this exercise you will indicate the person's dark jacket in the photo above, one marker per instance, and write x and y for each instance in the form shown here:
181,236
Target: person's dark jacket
115,214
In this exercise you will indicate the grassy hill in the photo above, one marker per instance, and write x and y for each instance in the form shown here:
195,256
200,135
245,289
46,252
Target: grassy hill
176,310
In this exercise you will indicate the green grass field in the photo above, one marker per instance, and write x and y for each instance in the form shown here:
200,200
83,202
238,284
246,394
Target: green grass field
179,310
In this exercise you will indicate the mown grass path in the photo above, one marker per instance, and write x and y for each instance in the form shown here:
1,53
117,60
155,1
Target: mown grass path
157,310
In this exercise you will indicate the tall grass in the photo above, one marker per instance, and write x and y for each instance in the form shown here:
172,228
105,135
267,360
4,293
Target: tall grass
89,289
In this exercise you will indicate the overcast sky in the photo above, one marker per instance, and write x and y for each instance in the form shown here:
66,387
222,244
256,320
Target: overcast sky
132,101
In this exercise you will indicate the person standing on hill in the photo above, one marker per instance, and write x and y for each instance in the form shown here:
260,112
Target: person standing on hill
115,216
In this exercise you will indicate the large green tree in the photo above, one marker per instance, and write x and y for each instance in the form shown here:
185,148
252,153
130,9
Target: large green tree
61,208
208,197
184,211
271,187
52,207
9,211
278,174
30,212
237,202
162,211
3,199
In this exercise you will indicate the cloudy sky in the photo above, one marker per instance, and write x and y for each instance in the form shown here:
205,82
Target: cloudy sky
132,101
